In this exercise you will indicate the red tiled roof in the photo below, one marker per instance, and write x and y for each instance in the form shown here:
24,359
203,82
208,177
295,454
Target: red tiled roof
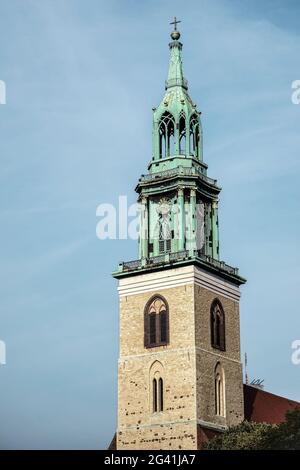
264,407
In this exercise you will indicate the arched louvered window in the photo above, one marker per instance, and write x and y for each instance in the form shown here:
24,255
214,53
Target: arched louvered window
217,325
219,391
194,135
156,322
182,135
166,135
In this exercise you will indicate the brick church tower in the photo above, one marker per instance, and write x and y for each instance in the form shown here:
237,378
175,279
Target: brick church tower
180,375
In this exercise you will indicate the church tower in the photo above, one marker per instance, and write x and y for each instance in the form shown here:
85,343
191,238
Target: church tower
179,371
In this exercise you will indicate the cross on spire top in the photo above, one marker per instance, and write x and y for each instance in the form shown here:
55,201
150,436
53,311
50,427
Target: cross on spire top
175,22
175,34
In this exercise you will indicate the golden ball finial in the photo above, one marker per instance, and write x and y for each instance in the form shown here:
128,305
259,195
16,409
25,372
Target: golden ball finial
175,35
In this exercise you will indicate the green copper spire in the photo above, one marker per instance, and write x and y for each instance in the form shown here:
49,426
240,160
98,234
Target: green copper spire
176,132
175,75
178,201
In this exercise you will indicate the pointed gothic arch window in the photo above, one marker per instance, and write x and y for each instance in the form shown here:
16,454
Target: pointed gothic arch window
182,134
156,322
166,135
219,391
156,381
217,325
194,135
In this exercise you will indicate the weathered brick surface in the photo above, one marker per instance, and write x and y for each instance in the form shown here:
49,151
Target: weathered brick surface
179,371
206,363
208,357
203,301
135,399
182,327
160,437
188,363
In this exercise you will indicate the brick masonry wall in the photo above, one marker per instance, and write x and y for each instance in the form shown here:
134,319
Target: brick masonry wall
178,362
175,436
181,319
187,364
208,357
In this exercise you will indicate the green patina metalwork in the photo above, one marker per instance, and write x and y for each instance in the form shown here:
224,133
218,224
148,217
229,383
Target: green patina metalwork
179,216
177,171
177,130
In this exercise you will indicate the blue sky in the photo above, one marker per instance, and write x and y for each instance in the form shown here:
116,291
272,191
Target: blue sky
82,77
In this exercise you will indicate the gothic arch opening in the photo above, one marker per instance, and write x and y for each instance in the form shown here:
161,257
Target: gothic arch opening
182,135
219,391
217,325
156,387
156,322
166,135
194,135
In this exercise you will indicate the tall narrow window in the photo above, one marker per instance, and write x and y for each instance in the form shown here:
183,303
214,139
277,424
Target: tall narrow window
163,325
217,325
162,142
164,234
171,143
161,394
154,387
182,135
194,135
152,324
162,229
217,328
156,322
219,391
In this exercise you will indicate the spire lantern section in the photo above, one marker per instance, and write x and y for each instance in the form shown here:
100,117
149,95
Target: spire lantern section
177,130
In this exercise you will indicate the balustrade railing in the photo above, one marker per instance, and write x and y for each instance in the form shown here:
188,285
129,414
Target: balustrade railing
178,256
131,265
178,171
